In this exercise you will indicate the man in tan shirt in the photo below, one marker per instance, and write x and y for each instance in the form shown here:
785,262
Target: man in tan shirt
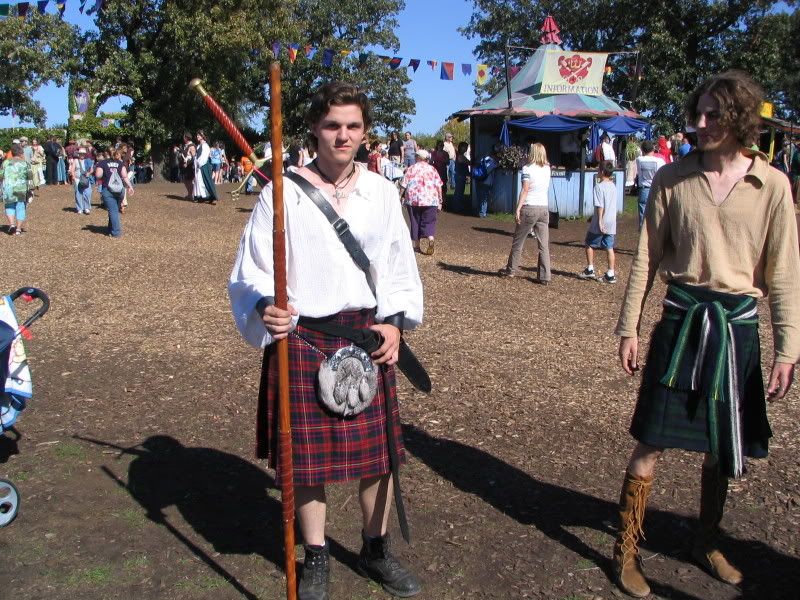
720,230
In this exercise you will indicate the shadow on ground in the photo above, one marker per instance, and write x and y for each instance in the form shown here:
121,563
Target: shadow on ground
496,230
226,500
552,509
581,245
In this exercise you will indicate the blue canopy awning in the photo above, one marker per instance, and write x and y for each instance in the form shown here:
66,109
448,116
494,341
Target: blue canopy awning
547,123
618,126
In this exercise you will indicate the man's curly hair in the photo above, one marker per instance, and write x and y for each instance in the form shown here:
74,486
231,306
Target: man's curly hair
739,99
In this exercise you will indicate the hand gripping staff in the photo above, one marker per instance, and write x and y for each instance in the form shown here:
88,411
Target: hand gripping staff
281,301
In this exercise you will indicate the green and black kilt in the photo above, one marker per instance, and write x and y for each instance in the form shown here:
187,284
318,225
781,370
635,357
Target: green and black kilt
678,418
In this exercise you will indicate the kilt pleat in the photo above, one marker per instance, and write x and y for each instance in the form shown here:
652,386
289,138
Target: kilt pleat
668,418
326,448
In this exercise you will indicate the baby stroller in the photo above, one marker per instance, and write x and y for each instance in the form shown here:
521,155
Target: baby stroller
15,380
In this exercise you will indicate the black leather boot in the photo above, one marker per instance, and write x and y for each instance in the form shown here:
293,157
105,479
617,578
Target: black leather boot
316,574
377,563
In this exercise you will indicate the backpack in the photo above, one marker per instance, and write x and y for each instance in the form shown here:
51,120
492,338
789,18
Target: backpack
484,168
115,185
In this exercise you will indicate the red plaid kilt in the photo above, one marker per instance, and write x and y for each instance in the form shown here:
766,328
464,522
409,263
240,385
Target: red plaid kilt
325,448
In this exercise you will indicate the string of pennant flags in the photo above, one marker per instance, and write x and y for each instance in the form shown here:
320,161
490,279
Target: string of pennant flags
23,9
447,70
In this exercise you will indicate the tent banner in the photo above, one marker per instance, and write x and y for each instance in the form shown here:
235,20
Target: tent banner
569,72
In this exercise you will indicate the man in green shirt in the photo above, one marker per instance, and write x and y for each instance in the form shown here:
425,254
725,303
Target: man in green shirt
720,230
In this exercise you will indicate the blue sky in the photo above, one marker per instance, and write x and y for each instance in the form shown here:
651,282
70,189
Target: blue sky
428,31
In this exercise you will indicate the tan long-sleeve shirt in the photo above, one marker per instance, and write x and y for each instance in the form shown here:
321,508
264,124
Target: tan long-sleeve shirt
746,245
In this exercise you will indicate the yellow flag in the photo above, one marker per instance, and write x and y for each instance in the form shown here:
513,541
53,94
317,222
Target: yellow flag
482,74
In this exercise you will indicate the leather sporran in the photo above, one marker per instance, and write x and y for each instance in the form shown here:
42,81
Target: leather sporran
348,381
553,217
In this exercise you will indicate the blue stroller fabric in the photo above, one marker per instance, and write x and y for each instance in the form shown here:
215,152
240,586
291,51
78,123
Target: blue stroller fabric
16,387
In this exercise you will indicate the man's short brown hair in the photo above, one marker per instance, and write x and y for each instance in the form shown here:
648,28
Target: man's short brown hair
338,93
739,99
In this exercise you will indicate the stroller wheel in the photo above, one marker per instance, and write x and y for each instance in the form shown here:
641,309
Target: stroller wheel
9,502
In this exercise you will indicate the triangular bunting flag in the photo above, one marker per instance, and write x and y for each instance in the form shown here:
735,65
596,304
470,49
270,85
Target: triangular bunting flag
276,49
309,51
22,9
345,52
384,58
512,71
432,64
292,50
82,6
61,6
395,62
4,10
362,58
97,8
482,75
414,64
447,71
42,5
327,57
466,69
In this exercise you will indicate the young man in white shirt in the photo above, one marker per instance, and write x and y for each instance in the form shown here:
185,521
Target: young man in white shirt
325,286
646,166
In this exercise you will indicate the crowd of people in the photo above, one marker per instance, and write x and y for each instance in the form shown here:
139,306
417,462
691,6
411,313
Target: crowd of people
78,164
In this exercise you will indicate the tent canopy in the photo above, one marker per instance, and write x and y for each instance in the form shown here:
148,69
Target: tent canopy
555,123
527,99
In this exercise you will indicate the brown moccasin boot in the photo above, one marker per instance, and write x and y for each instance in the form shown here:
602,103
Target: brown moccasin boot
627,563
713,493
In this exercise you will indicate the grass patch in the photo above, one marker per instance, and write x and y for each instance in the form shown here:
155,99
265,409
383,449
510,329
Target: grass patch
133,518
21,476
502,217
95,576
135,563
70,451
583,564
207,582
630,205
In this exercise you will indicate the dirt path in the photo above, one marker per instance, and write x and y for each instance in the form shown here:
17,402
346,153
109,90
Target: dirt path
515,459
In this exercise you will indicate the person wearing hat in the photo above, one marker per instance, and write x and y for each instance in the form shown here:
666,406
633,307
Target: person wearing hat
80,169
422,195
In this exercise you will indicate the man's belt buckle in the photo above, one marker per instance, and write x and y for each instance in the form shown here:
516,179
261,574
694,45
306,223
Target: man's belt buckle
341,226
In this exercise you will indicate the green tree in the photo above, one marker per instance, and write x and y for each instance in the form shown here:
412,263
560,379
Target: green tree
39,49
149,50
459,129
343,25
682,42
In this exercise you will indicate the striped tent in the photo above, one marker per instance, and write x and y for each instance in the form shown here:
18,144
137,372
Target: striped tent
527,99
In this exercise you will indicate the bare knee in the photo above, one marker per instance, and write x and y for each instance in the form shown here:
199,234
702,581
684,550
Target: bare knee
643,460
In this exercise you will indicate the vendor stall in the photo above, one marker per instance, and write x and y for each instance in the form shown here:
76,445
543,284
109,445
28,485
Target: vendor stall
555,99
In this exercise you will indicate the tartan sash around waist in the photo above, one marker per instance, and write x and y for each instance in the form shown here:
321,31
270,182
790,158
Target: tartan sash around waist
705,360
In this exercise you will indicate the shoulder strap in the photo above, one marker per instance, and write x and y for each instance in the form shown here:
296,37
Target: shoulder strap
340,226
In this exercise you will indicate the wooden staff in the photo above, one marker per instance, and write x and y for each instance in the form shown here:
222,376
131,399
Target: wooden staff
223,119
281,300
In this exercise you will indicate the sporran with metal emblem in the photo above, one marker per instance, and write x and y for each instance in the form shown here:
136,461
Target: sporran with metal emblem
347,380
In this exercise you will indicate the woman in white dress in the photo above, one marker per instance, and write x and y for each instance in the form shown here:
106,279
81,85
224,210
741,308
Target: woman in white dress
204,188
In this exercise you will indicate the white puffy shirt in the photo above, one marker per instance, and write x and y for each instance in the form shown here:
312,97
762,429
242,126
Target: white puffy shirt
322,278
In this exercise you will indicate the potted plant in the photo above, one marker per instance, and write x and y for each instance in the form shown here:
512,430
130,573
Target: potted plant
510,159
